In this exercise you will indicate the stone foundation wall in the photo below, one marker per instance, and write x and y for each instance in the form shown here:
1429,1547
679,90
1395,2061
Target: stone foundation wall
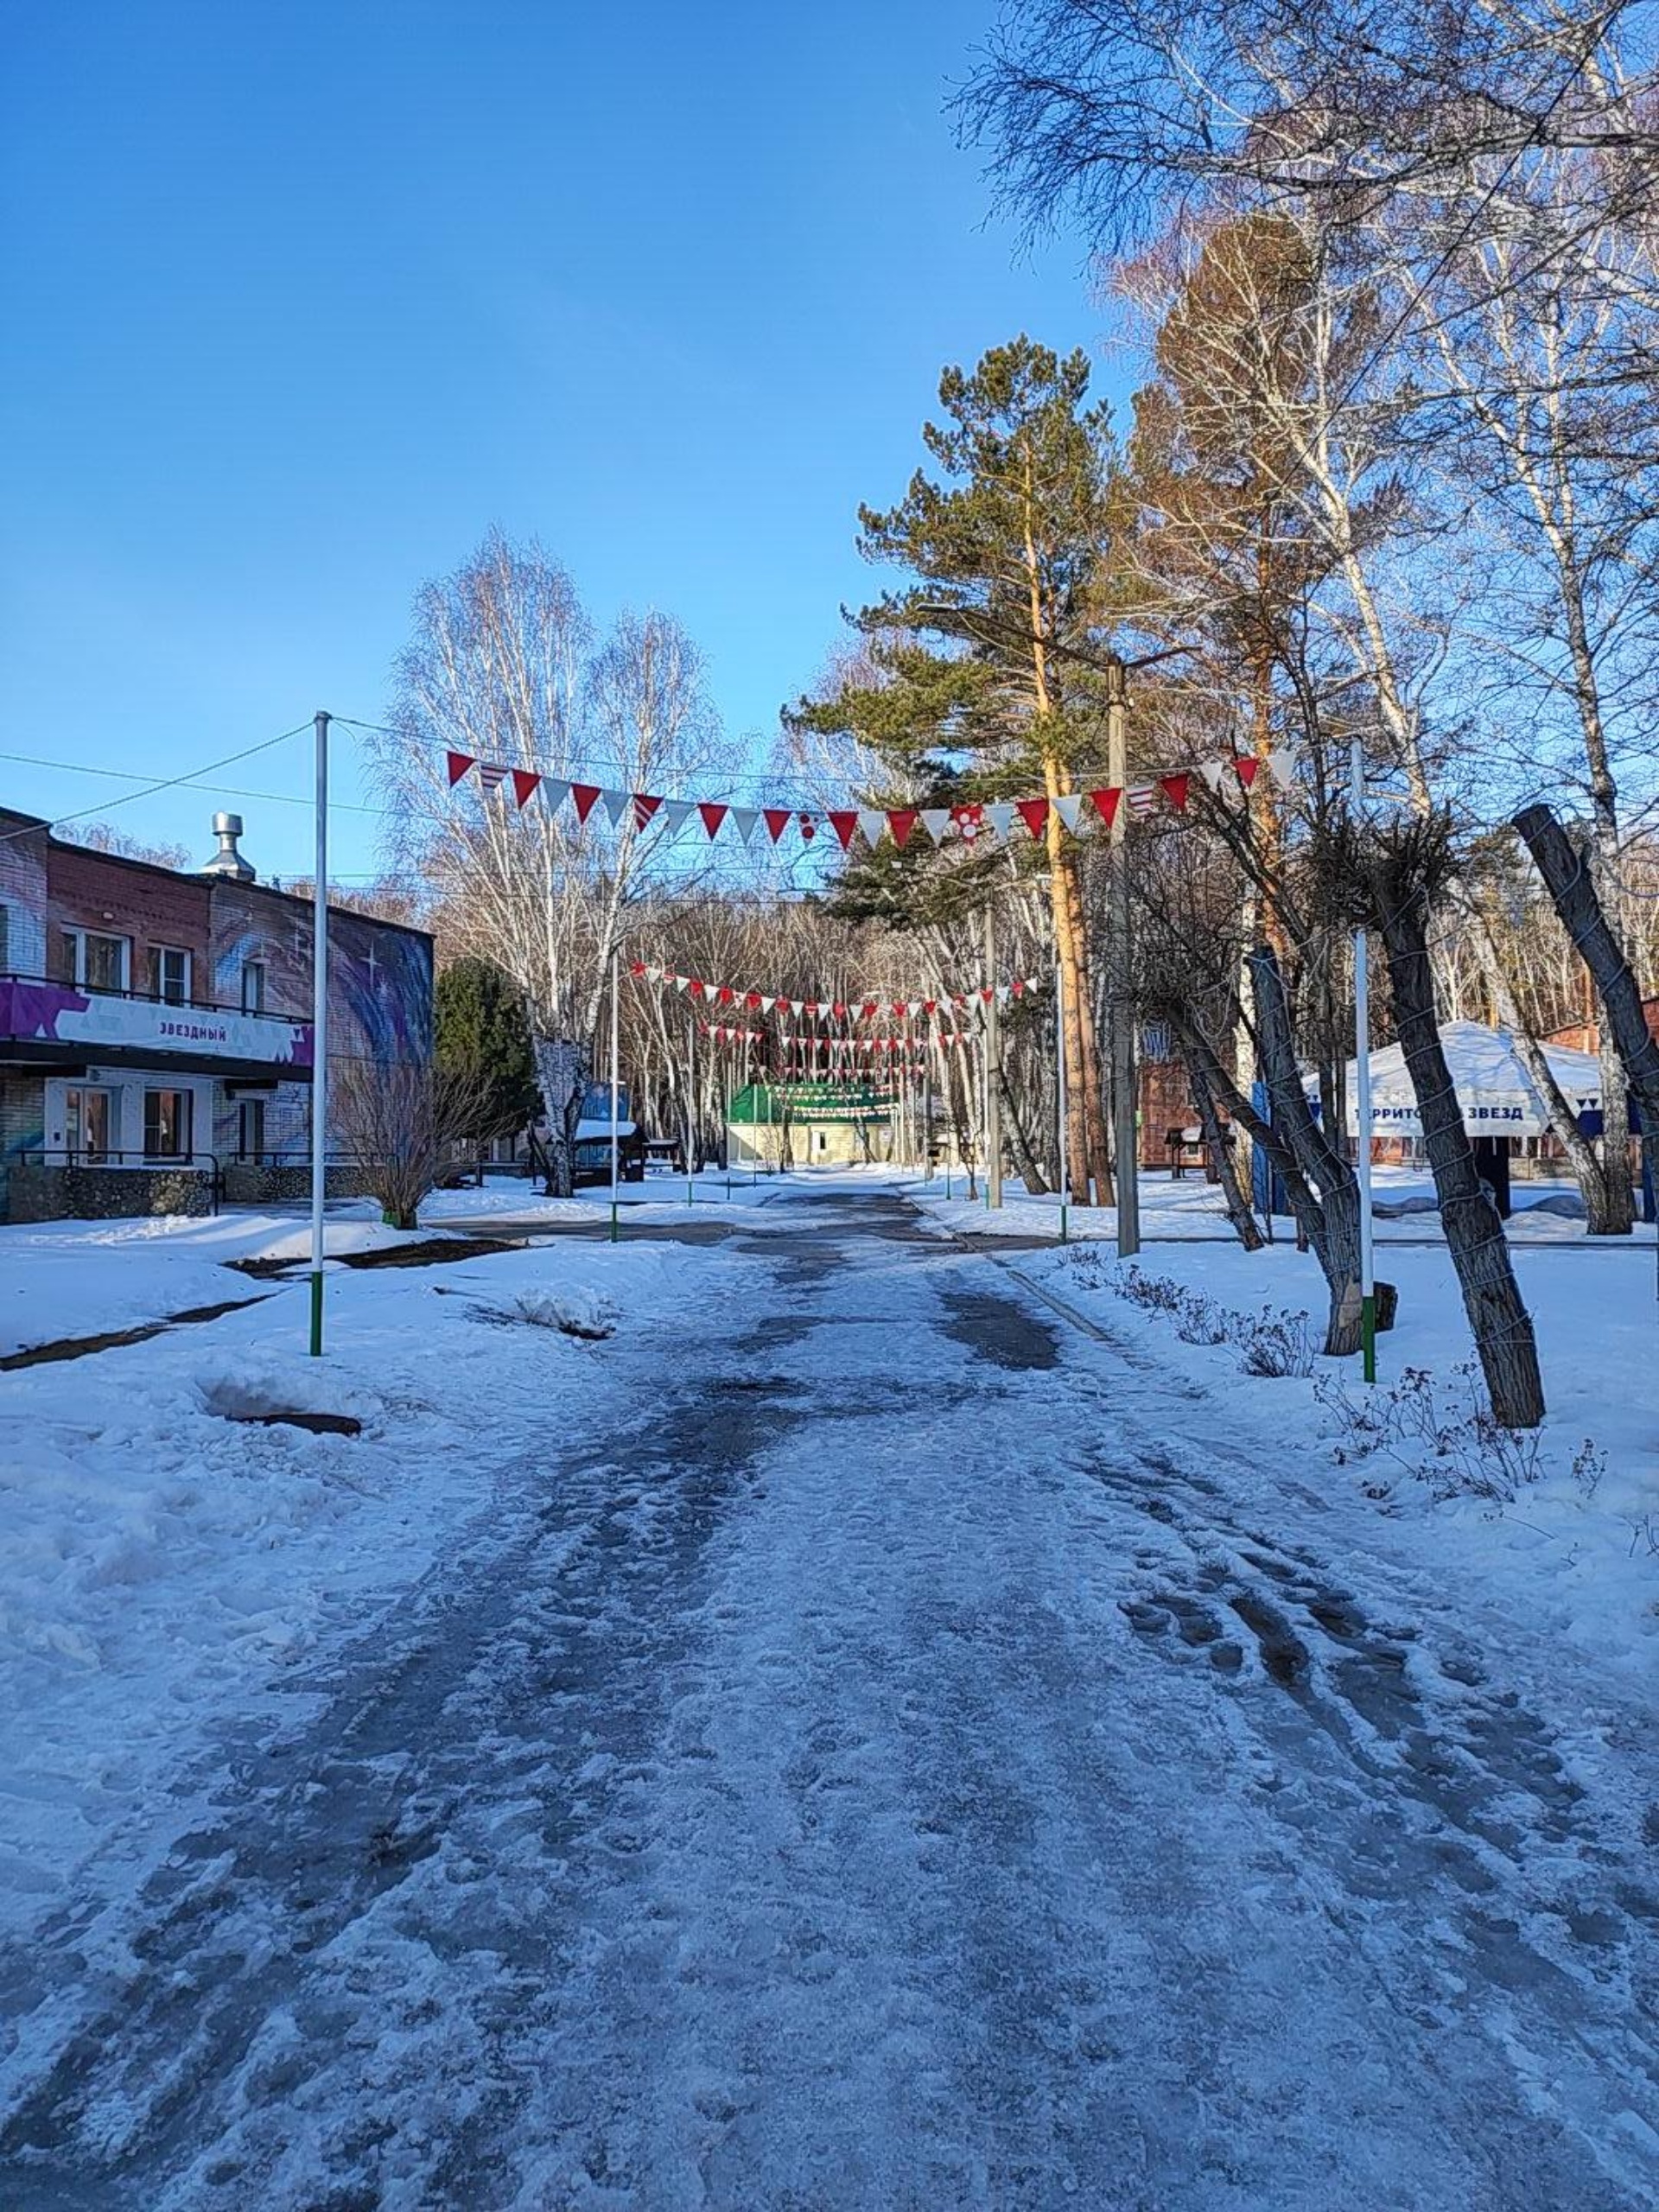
246,1184
106,1193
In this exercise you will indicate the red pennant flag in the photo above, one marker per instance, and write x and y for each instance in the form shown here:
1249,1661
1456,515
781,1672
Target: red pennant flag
713,812
698,988
1034,812
901,821
635,967
968,820
987,992
727,996
896,1011
870,1009
459,764
585,799
843,823
1247,769
1019,988
524,781
928,1005
643,807
777,819
753,1001
1106,804
1174,789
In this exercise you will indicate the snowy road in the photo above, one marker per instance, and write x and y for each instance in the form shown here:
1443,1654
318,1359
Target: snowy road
922,1763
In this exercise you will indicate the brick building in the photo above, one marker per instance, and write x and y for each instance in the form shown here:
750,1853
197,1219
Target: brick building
156,1037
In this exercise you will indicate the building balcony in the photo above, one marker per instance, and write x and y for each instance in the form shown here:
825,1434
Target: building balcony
52,1025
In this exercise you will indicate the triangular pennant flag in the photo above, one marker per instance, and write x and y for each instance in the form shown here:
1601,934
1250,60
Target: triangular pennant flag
459,764
1105,802
687,983
843,823
637,968
808,829
777,819
1174,789
1282,768
987,992
725,993
930,1006
912,1007
643,807
872,822
615,805
584,797
1003,994
676,812
1247,768
490,776
797,1007
1020,986
1034,812
554,792
1142,797
967,819
766,1004
743,821
1000,816
1069,807
524,781
870,1009
1212,771
901,820
713,812
936,820
751,1000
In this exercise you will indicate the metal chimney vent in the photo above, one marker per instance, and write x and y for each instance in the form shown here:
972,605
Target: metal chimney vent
227,862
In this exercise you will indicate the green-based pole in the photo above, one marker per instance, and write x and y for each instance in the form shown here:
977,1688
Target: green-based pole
1060,1089
318,1034
690,1105
615,1122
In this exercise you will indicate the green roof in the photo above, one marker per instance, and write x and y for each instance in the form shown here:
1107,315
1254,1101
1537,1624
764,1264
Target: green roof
811,1102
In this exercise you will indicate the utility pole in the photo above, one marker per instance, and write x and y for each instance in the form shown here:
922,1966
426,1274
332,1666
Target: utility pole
993,1074
690,1102
319,1034
1059,1084
1125,1135
616,968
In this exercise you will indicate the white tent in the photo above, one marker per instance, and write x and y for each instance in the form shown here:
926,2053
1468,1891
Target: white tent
1491,1078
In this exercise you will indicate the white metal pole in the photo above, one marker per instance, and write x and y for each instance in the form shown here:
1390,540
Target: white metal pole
319,1034
615,1137
1362,1099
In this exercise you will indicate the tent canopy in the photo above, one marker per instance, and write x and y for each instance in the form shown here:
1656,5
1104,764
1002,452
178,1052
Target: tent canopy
1491,1078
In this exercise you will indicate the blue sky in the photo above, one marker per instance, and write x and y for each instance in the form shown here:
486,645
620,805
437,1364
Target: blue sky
309,296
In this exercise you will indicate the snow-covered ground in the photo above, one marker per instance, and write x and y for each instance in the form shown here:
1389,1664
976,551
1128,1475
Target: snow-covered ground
850,1738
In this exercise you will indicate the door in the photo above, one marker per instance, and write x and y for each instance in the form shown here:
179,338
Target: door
251,1130
86,1122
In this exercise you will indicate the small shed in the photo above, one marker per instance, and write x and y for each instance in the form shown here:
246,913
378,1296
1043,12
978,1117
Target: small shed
1495,1092
809,1125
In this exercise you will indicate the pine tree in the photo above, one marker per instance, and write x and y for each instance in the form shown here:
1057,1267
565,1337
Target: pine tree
988,669
482,1038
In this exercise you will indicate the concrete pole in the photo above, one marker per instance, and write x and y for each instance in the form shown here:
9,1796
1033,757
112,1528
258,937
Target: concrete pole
1126,1143
615,986
993,1074
1060,1085
318,1034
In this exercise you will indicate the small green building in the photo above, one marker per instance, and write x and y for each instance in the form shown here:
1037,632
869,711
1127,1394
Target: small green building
810,1125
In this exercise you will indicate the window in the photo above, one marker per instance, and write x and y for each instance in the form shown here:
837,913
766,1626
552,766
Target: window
95,962
166,1124
86,1118
253,987
250,1130
169,974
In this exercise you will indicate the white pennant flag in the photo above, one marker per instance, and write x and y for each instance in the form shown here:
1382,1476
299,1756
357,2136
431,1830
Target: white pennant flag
653,974
1281,768
766,1004
745,818
797,1007
912,1007
936,820
676,812
615,805
1212,771
1069,807
1000,816
872,823
1003,994
554,792
681,983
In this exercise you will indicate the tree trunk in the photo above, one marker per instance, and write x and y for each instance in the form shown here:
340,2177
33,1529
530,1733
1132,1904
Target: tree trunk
1086,1154
1474,1234
1576,901
1018,1142
1335,1237
562,1074
1203,1098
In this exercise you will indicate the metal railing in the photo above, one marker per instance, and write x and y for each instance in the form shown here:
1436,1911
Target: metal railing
155,998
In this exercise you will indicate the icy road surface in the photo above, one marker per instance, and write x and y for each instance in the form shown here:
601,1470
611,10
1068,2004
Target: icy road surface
926,1762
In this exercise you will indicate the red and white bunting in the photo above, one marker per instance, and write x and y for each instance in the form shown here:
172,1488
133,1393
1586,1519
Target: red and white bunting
966,822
